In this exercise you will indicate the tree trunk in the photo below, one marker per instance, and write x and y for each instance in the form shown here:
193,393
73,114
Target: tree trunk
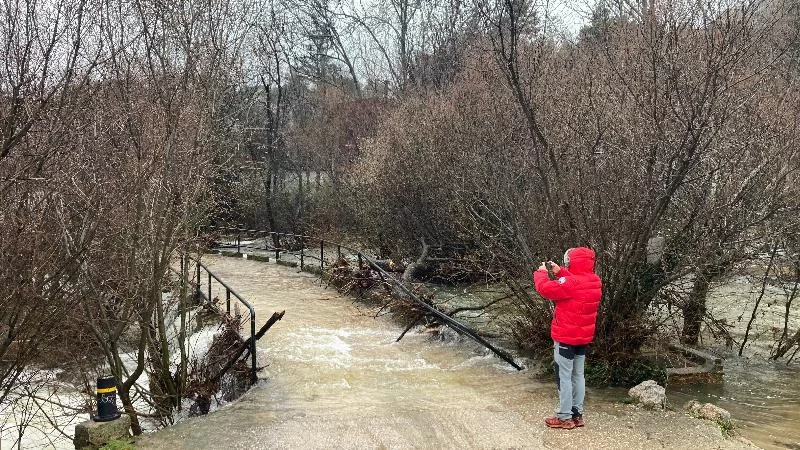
786,346
298,211
695,308
788,305
269,209
412,268
127,406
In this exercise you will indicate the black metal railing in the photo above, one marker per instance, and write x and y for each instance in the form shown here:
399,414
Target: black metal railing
296,244
203,288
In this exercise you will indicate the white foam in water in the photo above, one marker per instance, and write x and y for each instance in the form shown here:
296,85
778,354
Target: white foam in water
399,365
322,340
45,399
372,334
477,360
320,345
197,344
41,433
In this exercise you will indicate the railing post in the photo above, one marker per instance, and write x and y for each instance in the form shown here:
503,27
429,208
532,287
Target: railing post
322,255
360,261
253,376
277,247
238,243
302,253
209,287
339,251
228,300
197,288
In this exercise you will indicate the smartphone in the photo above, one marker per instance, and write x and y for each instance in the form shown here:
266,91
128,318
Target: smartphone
549,266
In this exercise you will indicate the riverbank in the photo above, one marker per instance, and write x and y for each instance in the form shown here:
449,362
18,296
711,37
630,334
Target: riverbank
336,378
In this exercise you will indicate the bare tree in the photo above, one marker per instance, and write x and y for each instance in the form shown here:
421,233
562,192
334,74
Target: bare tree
44,57
650,129
147,169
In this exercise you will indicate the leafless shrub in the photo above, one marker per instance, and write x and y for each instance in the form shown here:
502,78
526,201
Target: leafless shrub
653,129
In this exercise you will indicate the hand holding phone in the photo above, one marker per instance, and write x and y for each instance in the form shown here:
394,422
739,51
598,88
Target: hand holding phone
549,266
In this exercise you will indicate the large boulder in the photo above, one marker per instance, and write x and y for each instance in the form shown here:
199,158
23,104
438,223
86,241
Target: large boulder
709,411
649,394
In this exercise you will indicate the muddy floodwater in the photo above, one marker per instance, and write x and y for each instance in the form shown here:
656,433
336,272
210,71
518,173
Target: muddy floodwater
336,378
764,400
763,396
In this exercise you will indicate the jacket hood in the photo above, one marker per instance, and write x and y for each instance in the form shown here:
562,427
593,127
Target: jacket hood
581,260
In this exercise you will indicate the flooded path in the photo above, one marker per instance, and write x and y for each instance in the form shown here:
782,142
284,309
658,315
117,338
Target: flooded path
335,378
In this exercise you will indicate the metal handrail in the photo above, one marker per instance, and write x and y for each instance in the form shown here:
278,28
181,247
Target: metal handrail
228,292
449,321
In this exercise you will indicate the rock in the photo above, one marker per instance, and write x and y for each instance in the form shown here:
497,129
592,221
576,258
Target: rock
709,411
93,435
649,394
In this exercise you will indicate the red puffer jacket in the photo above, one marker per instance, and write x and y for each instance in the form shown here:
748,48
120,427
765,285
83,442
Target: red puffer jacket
576,292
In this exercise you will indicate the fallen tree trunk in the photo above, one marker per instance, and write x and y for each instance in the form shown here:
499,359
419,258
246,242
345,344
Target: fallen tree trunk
422,314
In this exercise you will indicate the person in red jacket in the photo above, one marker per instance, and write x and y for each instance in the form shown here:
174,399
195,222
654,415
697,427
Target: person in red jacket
576,292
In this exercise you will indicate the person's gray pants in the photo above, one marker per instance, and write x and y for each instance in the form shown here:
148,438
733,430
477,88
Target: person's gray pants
568,362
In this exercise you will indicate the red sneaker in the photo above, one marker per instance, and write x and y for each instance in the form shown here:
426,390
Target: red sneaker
578,420
555,422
